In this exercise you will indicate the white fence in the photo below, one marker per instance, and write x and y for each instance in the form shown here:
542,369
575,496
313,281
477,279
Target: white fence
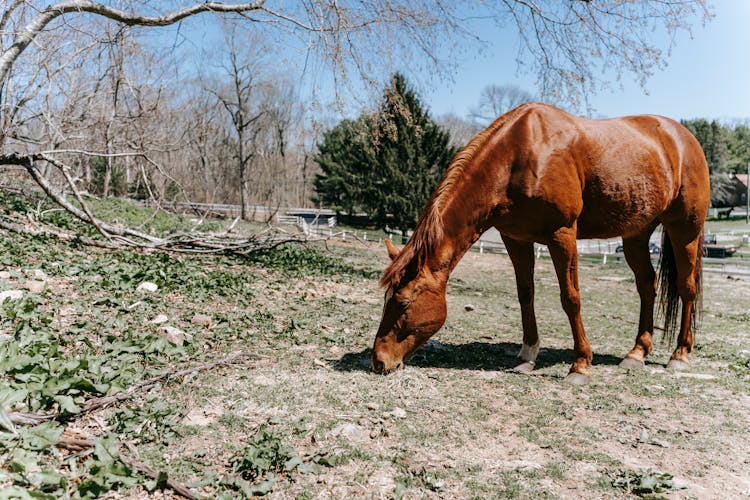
322,223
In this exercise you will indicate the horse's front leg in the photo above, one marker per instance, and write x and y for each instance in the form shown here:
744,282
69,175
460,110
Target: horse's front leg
562,248
521,254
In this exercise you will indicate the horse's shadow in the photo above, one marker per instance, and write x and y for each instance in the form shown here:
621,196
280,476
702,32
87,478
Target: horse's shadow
472,356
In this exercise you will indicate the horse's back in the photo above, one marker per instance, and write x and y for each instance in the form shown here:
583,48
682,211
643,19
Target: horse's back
615,176
649,165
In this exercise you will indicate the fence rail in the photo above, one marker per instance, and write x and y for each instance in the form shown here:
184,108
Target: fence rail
322,223
592,251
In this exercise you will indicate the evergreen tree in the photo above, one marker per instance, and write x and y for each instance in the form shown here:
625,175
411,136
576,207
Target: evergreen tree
412,153
345,157
387,164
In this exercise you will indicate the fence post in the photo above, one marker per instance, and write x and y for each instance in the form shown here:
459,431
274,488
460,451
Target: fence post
343,235
481,247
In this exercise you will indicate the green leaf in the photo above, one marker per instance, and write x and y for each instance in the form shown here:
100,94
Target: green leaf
46,478
18,493
292,464
42,436
309,468
67,404
5,421
106,450
23,461
264,487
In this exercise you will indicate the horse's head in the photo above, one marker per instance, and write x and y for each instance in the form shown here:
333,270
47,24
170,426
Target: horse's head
414,310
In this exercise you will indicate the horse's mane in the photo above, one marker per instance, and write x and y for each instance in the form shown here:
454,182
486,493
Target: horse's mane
429,232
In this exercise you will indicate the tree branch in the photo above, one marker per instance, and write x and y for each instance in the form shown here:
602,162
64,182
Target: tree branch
35,27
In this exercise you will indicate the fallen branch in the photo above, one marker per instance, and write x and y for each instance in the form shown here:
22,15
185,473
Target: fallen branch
36,230
98,403
119,236
178,488
76,444
104,401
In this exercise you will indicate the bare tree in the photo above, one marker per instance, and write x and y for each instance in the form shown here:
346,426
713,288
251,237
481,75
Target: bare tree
494,100
240,99
461,129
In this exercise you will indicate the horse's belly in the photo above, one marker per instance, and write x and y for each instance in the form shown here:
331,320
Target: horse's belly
621,209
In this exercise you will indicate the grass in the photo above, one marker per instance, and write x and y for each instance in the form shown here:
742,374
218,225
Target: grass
306,418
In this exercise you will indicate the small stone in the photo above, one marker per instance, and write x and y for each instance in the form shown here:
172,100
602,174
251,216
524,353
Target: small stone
37,274
382,482
147,286
644,436
176,336
373,406
469,307
11,295
398,413
35,286
202,320
159,319
4,275
351,432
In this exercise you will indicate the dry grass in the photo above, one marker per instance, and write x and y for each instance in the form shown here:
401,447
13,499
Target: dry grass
456,423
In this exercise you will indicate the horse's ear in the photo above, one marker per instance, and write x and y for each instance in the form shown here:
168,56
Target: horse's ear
392,250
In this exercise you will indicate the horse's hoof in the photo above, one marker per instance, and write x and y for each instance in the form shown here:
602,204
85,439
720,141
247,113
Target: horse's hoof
575,378
678,365
628,363
525,367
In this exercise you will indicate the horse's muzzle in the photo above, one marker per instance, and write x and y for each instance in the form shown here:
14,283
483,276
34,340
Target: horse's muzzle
382,368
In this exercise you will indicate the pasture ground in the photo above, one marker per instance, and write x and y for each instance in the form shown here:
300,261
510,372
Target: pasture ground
303,417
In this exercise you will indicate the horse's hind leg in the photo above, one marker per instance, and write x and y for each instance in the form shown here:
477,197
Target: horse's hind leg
638,258
521,254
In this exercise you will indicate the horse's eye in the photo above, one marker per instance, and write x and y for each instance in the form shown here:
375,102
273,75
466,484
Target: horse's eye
403,302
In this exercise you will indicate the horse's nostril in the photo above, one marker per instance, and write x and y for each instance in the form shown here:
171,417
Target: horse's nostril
378,366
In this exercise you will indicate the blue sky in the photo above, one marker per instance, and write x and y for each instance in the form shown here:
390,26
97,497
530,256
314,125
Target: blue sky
706,77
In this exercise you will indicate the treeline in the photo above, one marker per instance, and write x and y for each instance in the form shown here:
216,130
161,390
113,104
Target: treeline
125,120
727,148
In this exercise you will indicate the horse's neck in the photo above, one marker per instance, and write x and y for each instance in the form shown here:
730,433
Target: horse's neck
472,194
464,223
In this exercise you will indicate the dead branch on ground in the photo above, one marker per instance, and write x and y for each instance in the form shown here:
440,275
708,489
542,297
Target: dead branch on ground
119,236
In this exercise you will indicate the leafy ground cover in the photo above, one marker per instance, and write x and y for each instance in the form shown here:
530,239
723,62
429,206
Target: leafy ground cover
297,413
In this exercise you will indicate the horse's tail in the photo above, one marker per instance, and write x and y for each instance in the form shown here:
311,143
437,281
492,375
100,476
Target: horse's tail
669,298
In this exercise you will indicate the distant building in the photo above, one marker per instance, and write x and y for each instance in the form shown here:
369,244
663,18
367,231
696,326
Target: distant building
727,192
739,186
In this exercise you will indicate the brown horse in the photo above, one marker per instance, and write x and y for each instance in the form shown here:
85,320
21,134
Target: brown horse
541,175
